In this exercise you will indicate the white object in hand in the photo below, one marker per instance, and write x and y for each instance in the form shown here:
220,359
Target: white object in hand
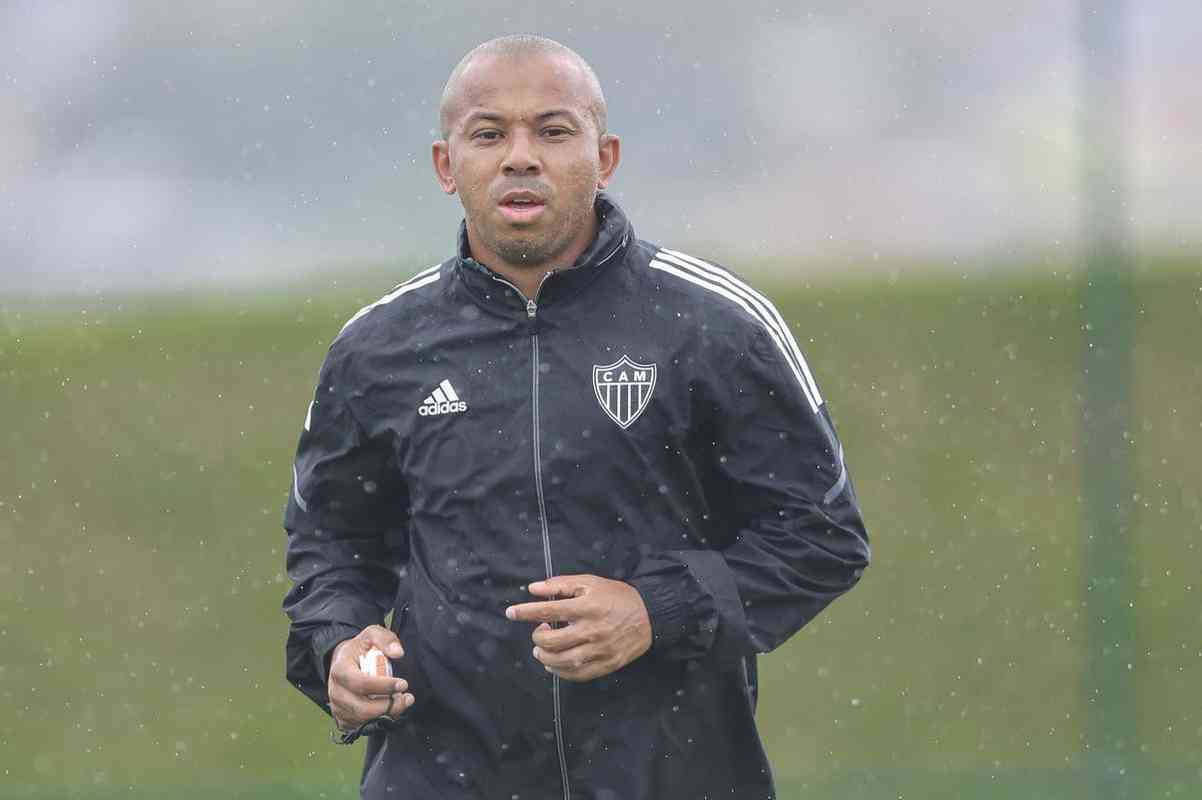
374,662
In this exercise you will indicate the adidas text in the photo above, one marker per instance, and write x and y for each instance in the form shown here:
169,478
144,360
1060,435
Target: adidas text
434,409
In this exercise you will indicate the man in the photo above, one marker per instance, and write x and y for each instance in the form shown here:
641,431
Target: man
591,477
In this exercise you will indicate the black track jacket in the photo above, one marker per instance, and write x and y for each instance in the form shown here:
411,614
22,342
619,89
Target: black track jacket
647,417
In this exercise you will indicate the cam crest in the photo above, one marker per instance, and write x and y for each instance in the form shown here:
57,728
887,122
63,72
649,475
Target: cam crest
624,389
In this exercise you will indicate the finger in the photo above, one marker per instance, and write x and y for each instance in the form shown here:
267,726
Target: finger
588,672
561,586
402,701
572,660
356,709
351,711
547,611
556,640
355,681
345,673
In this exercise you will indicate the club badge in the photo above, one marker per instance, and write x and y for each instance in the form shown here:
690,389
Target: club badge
624,389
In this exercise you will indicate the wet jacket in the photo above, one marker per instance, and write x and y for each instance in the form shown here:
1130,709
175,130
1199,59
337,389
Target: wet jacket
647,417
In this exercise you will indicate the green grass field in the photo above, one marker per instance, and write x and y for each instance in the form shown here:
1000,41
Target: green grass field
147,446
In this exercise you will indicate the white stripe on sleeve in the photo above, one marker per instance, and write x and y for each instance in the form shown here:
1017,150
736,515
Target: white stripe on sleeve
694,278
768,310
423,278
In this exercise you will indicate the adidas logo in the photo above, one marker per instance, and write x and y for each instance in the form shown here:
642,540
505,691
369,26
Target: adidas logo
442,400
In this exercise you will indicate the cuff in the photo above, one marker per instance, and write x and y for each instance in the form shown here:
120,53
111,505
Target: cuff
666,608
693,601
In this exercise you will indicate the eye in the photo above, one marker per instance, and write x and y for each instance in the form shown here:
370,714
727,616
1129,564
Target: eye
488,135
556,131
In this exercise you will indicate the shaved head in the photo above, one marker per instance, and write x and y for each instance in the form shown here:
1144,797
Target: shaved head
514,49
525,147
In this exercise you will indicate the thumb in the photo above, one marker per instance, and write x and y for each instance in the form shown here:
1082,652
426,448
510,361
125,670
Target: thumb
385,640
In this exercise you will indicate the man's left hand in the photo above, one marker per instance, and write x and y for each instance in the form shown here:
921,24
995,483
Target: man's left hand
606,625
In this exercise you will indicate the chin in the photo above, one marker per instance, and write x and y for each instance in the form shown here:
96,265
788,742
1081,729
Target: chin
519,256
519,251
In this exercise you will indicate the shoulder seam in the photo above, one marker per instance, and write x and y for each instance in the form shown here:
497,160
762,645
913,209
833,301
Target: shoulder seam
724,283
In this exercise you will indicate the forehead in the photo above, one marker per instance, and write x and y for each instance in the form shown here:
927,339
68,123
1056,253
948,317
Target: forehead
521,86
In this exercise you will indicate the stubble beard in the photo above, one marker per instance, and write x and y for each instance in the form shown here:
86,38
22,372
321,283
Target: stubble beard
529,249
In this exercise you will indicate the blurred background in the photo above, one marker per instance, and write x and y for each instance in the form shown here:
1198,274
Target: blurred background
981,220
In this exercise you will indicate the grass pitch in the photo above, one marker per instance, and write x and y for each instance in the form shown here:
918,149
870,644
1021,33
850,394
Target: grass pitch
147,446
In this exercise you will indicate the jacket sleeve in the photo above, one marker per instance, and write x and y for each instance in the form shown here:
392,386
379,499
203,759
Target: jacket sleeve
346,520
796,540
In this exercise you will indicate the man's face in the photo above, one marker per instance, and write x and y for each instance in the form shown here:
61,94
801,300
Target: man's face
526,158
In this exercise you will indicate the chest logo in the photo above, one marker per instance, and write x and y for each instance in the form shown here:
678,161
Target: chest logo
443,400
624,389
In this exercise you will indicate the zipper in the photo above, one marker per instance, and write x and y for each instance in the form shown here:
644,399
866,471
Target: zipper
532,312
532,320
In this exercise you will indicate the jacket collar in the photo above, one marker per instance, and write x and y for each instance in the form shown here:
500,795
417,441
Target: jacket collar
614,234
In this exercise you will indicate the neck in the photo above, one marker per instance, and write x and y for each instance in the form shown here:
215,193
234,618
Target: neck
528,277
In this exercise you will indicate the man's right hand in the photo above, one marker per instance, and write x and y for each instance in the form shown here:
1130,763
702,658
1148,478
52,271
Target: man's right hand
355,697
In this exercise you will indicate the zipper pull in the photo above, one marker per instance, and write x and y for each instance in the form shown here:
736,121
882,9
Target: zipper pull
531,317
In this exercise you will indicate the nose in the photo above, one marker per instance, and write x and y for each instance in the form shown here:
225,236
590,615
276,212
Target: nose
521,158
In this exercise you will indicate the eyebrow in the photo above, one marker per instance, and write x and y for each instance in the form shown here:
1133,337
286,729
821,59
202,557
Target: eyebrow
493,116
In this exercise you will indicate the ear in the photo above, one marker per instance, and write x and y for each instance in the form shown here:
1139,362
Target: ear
440,153
610,151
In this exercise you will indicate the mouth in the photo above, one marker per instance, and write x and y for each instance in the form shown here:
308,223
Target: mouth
521,205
